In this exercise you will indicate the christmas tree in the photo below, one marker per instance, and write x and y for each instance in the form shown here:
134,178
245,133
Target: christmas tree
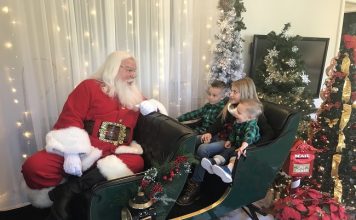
282,79
227,64
347,167
334,131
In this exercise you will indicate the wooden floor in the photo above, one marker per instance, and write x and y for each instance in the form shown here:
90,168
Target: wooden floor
28,212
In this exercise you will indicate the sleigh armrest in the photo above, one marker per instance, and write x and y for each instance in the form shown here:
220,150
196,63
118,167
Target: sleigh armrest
161,138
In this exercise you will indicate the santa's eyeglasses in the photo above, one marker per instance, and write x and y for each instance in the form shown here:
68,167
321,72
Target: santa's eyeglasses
128,69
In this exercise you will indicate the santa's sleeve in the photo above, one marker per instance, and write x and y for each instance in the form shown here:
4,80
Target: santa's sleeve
68,134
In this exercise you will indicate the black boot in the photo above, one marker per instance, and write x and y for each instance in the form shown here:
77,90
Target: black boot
189,194
62,194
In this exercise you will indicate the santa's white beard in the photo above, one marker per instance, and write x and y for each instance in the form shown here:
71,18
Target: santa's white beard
128,94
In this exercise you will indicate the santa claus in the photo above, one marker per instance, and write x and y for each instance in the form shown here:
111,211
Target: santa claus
92,138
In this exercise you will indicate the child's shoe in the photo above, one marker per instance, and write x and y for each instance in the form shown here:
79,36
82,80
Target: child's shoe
207,164
223,172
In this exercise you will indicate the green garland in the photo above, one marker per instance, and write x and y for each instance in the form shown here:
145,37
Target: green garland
158,179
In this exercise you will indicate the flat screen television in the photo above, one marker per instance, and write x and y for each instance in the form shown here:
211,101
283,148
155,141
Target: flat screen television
313,52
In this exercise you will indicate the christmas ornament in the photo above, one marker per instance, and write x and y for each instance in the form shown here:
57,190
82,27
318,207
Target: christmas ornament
156,179
140,208
321,168
331,122
324,138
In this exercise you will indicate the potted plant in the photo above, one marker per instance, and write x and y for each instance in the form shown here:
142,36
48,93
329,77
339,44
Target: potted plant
309,204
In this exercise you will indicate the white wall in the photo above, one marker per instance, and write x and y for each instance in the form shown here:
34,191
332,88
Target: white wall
308,18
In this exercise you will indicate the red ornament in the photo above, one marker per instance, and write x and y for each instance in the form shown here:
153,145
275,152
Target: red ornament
353,168
315,125
340,75
337,104
144,183
327,106
350,43
324,94
324,138
353,126
353,95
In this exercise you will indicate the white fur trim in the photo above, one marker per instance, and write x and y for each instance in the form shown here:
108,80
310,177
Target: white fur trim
112,167
134,148
89,159
159,105
38,197
71,140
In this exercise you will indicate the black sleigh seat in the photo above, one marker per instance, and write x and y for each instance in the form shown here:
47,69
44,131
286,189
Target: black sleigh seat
252,176
162,137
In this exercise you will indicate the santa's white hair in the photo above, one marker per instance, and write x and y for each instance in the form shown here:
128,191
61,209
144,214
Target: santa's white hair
128,93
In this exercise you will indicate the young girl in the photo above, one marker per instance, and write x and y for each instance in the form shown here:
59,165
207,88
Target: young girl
212,142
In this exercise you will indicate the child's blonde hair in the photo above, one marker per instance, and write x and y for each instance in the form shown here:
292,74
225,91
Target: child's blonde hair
247,89
254,107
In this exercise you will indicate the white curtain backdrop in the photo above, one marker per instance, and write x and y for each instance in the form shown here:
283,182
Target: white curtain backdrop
48,46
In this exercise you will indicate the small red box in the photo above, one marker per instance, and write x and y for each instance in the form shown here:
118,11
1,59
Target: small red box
301,159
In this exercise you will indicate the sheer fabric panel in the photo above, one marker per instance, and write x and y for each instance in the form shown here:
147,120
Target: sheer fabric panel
49,46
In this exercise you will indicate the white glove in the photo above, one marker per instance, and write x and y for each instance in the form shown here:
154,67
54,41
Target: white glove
146,107
72,164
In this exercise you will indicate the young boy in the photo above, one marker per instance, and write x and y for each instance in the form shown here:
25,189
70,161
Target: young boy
245,132
209,112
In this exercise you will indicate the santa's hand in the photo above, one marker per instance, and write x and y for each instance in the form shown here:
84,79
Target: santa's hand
72,164
146,107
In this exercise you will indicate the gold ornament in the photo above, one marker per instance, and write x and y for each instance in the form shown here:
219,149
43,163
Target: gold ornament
321,169
334,89
331,122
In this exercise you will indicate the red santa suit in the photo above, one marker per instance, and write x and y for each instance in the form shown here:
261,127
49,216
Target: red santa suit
93,125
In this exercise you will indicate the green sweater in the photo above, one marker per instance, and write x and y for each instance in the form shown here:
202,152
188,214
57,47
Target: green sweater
244,132
208,115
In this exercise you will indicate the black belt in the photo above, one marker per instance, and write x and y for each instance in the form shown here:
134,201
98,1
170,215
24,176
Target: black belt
111,132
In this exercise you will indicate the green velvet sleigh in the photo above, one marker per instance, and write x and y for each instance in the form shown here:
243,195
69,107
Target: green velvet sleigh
163,138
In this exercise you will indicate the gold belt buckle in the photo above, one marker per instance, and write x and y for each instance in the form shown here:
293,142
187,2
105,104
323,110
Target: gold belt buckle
112,132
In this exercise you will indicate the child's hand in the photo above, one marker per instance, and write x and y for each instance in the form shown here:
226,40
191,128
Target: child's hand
227,144
206,138
241,151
